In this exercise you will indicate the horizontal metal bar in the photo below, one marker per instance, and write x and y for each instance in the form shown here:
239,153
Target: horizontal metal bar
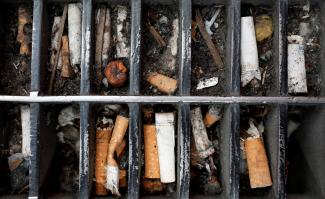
164,99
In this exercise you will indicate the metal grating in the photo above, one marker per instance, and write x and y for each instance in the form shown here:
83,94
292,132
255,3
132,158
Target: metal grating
280,100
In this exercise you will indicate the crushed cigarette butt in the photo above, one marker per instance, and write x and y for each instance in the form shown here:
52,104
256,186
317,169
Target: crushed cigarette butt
206,83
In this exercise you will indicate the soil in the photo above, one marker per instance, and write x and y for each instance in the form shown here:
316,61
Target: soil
110,90
297,15
203,66
265,56
148,117
15,68
10,143
199,174
153,59
61,86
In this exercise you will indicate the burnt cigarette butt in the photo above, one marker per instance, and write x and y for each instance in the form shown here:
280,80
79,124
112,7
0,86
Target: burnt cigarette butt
151,152
66,70
122,178
212,116
120,149
257,162
102,139
116,73
152,185
162,83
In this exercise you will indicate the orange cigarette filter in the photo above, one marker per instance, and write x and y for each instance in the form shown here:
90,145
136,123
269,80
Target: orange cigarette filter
24,18
151,152
122,178
257,162
163,83
66,70
210,119
102,139
121,149
152,185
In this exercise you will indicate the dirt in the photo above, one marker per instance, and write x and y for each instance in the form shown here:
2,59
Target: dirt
265,57
61,86
148,117
110,90
10,144
203,66
199,173
156,58
297,15
258,114
15,68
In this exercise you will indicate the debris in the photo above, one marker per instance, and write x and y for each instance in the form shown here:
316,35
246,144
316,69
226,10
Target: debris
209,23
297,82
57,55
151,152
207,38
23,36
156,35
213,115
74,32
66,70
25,126
122,47
249,54
116,73
163,20
68,115
193,31
112,170
163,83
205,83
103,137
263,27
19,167
166,146
305,30
203,145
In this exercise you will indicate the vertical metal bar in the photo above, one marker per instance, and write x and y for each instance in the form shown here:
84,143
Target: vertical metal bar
84,178
36,44
135,47
86,47
134,151
34,161
233,47
183,151
185,10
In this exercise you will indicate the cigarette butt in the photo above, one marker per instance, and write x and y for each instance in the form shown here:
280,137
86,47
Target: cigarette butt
257,162
112,171
122,46
24,49
163,83
120,149
152,185
212,116
122,178
24,18
151,152
166,146
74,32
66,70
102,139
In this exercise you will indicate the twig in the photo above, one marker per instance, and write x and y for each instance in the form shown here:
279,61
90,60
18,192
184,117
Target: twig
61,28
156,35
207,38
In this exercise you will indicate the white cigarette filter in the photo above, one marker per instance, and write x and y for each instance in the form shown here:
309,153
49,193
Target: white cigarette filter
202,143
249,54
74,33
122,46
166,146
297,82
25,125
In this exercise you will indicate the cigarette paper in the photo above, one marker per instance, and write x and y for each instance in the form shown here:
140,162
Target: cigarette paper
297,82
202,143
122,46
151,152
66,70
173,40
249,54
54,42
74,31
257,162
163,83
206,83
25,126
106,37
102,139
100,25
212,116
166,146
